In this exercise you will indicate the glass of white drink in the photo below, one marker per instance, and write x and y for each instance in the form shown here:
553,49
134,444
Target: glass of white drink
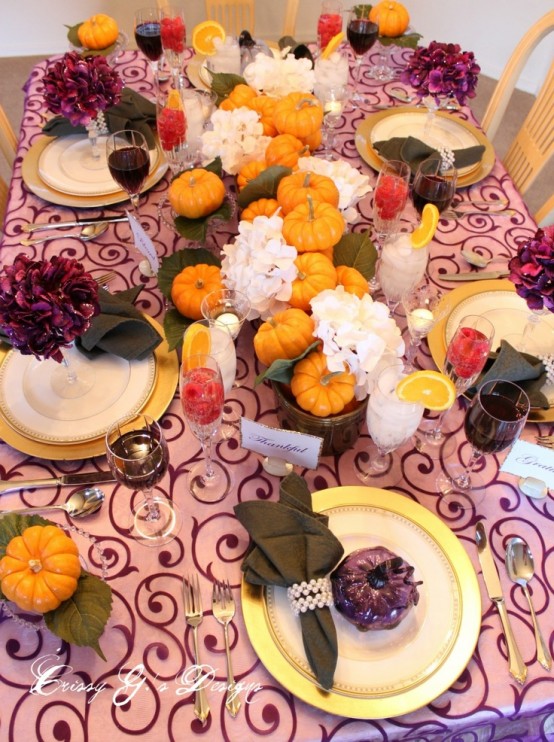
401,267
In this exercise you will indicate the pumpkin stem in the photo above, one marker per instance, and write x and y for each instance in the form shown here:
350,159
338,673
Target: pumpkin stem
199,283
328,378
306,182
311,208
35,565
303,102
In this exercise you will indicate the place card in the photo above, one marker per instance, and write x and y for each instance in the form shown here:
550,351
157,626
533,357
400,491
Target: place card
529,460
145,246
295,448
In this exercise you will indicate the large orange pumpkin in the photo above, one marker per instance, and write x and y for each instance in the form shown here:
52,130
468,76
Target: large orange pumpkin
285,335
392,18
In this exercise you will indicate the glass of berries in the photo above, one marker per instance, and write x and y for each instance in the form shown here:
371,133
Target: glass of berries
174,36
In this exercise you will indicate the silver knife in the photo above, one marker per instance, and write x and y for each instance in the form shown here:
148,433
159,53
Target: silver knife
517,667
93,477
473,276
38,226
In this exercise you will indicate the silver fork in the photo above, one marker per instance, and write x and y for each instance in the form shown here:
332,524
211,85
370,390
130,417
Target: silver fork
223,609
105,278
192,601
545,440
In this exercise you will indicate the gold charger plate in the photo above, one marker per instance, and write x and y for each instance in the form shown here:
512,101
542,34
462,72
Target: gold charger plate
437,336
400,670
370,155
33,181
163,390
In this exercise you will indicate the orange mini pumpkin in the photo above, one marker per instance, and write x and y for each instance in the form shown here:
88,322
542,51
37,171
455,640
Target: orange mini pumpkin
249,171
315,274
241,95
261,207
352,280
191,285
264,106
294,189
286,150
391,17
196,193
299,114
319,391
285,335
313,227
98,32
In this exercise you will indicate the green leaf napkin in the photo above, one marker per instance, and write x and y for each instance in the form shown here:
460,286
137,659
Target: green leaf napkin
120,328
291,543
134,111
413,152
525,370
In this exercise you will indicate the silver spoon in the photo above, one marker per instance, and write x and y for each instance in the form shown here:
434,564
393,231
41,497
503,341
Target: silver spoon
521,568
474,258
90,232
81,503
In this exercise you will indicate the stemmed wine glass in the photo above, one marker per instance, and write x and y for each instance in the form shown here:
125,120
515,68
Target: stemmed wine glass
202,398
148,37
128,162
433,186
493,421
466,355
361,34
228,307
424,307
138,458
390,422
174,33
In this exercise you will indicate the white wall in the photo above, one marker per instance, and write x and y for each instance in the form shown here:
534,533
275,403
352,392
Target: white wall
489,28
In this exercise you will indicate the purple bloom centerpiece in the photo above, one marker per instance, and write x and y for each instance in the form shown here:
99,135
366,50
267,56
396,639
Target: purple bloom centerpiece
46,304
532,270
80,88
442,71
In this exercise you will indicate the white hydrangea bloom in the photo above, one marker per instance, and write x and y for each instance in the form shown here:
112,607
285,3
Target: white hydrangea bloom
261,265
352,184
280,76
358,332
236,136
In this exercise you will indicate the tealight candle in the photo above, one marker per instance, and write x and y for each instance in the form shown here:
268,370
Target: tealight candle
421,320
231,321
333,106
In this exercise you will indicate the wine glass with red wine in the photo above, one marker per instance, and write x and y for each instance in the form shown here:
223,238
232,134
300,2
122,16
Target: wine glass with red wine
361,34
128,162
148,36
432,186
138,458
493,422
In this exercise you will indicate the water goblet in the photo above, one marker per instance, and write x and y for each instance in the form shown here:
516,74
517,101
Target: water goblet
391,422
424,307
148,37
202,398
174,34
138,458
361,34
493,422
401,267
466,356
433,186
383,71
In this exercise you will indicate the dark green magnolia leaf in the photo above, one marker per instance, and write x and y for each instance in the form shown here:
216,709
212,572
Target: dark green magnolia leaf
282,369
406,41
263,186
73,38
175,325
356,250
197,229
215,166
81,619
223,84
360,8
171,266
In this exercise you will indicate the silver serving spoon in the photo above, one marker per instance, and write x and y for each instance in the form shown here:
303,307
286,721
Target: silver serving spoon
90,232
474,258
81,503
521,568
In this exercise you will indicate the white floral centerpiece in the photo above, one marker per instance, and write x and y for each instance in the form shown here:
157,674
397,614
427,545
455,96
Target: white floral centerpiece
279,76
236,137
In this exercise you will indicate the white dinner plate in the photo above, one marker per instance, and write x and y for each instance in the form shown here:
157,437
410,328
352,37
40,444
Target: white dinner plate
379,673
67,165
31,407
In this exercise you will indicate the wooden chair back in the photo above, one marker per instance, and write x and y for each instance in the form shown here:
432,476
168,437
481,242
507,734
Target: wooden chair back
8,147
291,11
234,15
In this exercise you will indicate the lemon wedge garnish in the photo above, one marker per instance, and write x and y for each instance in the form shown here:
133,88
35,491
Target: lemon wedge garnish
433,390
333,45
423,235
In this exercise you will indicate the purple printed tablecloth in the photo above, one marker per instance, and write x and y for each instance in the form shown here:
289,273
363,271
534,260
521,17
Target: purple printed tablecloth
54,691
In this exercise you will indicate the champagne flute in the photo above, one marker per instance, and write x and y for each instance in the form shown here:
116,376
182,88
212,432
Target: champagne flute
432,186
390,422
148,37
171,125
138,458
466,355
174,33
361,34
493,422
202,398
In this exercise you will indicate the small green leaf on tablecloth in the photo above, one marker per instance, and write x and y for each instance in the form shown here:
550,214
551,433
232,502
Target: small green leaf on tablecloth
175,325
81,619
356,250
263,186
172,265
282,369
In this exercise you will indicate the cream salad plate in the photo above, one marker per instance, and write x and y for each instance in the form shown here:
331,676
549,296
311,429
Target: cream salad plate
379,674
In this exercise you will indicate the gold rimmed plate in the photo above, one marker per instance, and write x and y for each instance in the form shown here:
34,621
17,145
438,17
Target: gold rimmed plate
497,300
461,134
164,383
30,171
379,674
